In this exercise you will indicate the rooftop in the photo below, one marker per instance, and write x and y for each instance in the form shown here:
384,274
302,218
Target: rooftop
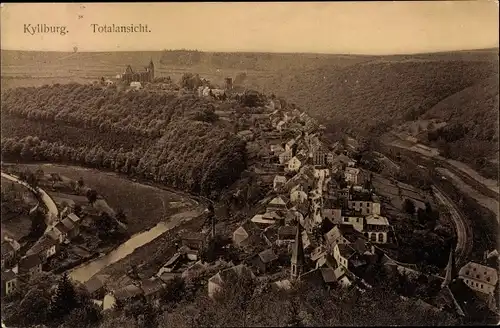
151,286
346,251
268,255
29,261
96,282
42,245
479,272
126,292
8,275
376,220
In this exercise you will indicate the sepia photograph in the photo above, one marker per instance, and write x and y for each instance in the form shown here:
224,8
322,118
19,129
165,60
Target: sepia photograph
250,164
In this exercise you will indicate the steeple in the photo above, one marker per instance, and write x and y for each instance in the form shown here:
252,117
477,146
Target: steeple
450,273
297,261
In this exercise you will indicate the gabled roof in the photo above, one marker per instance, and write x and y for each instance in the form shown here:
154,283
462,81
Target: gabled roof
127,292
247,229
8,275
68,224
43,244
346,251
6,248
272,215
268,255
280,178
96,282
151,286
61,227
29,261
278,201
73,217
376,220
231,274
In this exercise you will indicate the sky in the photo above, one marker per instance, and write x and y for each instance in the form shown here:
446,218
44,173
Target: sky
320,27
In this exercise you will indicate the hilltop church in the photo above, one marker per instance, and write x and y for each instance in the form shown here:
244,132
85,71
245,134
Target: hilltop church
146,76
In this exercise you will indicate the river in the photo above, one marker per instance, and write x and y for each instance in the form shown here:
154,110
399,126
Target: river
141,198
86,271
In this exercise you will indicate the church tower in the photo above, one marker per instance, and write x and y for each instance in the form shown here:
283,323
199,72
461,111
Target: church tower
297,262
450,273
151,70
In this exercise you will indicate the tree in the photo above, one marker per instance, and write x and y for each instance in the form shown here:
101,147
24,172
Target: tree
64,300
77,209
409,206
38,225
91,196
174,291
121,216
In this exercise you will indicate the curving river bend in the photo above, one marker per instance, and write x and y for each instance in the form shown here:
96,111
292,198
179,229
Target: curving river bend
87,270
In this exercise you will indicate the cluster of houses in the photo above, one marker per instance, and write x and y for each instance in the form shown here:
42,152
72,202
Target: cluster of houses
329,231
17,267
325,231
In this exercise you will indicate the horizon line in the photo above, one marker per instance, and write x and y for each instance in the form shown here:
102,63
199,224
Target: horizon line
497,48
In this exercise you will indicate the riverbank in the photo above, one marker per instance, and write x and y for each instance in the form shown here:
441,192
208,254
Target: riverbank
144,204
86,271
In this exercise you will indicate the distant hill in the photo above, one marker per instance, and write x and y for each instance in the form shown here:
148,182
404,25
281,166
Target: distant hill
362,95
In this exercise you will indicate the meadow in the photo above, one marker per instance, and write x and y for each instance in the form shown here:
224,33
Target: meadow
143,205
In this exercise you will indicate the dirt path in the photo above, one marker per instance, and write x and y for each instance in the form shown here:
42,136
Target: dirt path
53,212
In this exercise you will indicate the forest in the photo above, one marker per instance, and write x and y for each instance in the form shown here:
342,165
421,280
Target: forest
171,139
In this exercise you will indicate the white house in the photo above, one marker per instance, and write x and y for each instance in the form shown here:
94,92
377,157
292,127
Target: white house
376,228
278,182
136,85
334,236
9,282
351,175
355,221
342,253
479,277
365,207
342,276
295,163
297,196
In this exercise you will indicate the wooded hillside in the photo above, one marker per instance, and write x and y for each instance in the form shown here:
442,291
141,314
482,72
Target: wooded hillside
137,132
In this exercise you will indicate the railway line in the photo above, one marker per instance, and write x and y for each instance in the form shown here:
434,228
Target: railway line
463,231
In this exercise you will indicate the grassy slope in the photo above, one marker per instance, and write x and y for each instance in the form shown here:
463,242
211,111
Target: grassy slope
144,206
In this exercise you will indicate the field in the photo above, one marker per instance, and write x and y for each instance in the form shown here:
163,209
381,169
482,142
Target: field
144,206
385,188
13,224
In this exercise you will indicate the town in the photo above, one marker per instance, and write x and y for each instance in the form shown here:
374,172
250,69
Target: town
325,220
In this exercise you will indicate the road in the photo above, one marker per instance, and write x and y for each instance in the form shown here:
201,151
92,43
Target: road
52,213
464,233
